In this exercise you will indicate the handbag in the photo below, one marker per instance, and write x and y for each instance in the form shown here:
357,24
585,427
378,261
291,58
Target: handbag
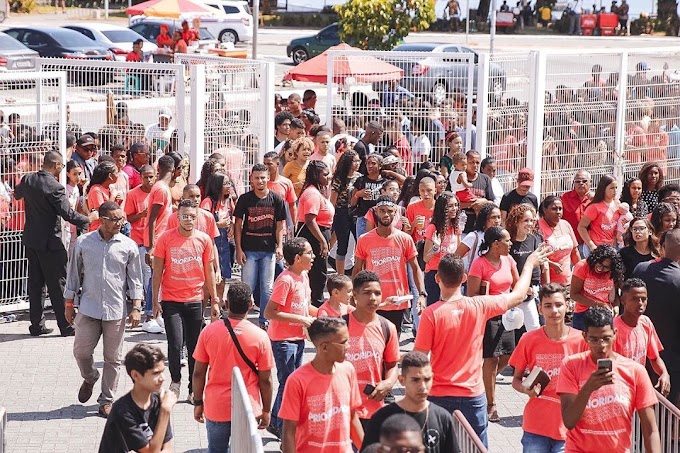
245,358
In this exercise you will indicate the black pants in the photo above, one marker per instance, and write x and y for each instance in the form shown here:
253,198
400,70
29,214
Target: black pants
319,271
46,267
182,324
394,316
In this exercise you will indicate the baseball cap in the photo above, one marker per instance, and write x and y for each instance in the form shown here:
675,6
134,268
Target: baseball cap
164,111
513,319
389,160
85,140
525,177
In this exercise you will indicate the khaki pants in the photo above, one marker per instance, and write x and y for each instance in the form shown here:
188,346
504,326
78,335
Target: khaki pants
88,332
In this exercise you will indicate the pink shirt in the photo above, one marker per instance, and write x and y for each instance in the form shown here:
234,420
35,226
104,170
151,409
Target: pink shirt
499,278
603,219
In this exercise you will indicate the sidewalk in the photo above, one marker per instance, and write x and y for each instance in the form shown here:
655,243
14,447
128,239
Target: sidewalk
40,382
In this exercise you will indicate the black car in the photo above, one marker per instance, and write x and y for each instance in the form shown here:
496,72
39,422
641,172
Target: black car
57,42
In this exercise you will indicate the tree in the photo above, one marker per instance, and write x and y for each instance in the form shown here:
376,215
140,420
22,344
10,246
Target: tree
382,24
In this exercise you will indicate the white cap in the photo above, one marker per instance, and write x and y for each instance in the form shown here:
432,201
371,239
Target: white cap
513,319
164,111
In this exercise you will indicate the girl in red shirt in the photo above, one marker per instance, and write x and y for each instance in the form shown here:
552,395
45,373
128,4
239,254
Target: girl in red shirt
105,175
218,201
164,39
598,224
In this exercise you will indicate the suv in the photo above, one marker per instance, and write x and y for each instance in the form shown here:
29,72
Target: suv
235,25
302,49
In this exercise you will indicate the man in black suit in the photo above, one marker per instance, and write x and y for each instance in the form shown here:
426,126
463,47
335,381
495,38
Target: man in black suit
45,200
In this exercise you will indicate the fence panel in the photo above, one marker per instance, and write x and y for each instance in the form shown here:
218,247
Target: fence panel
417,96
668,422
468,441
244,436
33,110
122,101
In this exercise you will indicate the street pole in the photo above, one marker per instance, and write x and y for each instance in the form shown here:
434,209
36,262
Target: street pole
467,20
492,31
256,25
106,9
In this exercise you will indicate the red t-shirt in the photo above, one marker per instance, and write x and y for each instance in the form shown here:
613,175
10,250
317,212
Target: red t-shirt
322,405
96,196
326,310
205,222
292,294
186,260
159,195
453,332
133,56
216,348
606,423
603,219
388,257
418,209
595,286
637,343
137,201
367,352
312,202
543,415
574,207
164,40
447,244
499,278
563,240
284,187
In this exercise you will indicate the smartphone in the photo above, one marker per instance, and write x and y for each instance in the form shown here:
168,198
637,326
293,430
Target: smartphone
605,364
207,313
369,389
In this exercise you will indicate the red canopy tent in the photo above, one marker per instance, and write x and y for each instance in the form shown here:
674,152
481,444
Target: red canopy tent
364,69
170,8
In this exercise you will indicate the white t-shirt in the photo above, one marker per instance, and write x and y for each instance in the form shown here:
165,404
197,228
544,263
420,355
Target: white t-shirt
421,147
157,139
469,240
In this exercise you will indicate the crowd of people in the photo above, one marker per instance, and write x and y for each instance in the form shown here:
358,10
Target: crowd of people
347,245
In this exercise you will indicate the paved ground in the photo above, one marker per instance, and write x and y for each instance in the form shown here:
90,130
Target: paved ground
40,382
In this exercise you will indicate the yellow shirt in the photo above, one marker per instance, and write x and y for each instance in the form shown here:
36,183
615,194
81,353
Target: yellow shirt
296,174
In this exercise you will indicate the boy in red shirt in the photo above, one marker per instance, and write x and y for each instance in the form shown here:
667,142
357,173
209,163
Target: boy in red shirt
339,287
420,213
321,398
546,348
598,402
636,336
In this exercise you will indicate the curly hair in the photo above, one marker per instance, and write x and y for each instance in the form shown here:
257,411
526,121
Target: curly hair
314,169
659,211
343,170
440,216
652,241
515,215
483,216
209,167
298,144
644,173
603,252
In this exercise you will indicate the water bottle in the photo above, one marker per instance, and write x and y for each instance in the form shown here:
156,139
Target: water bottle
462,220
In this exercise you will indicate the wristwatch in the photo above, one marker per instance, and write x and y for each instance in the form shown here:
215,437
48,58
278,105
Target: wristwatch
423,293
198,402
139,309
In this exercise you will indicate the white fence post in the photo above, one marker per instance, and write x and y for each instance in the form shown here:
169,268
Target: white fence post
329,89
62,125
197,135
620,135
267,113
536,118
482,102
468,104
180,110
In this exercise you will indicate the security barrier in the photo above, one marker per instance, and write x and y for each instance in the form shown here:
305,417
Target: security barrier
244,436
468,441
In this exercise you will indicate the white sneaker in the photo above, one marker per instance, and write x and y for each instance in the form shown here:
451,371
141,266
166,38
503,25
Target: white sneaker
151,326
161,322
174,388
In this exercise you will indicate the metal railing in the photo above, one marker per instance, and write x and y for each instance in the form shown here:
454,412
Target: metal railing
3,428
668,422
244,436
468,440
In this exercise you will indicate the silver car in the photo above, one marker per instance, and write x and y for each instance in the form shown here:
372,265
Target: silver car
14,56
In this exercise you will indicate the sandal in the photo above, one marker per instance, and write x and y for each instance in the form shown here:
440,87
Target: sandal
492,413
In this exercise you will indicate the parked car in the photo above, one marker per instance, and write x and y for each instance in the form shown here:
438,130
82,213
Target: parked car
114,37
150,28
14,56
438,77
236,24
302,49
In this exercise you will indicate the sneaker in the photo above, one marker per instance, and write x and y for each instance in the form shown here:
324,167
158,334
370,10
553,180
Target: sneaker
183,357
174,388
161,322
152,326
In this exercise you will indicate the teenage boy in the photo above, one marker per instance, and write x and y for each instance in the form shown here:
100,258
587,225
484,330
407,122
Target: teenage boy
322,139
420,213
182,265
373,345
436,424
140,420
546,348
283,186
636,336
459,320
222,348
321,398
339,287
290,311
400,432
520,194
598,401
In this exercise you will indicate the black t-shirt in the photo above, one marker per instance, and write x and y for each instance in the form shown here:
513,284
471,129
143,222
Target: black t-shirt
481,187
363,151
366,203
512,198
632,258
438,437
129,427
520,251
259,220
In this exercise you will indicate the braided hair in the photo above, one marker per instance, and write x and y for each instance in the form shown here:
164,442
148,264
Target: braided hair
314,169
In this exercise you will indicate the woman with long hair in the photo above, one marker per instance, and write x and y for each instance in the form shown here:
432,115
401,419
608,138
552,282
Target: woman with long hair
315,218
209,167
104,176
595,281
469,247
343,180
640,245
632,194
498,271
559,235
442,237
408,190
366,191
651,176
664,217
455,143
598,224
296,170
218,201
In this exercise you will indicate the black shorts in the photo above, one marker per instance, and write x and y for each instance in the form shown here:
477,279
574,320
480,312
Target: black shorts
497,340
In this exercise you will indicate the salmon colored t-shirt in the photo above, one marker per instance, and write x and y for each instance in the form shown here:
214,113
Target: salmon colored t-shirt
562,240
96,196
216,348
418,209
137,201
595,286
185,262
326,310
292,294
447,244
205,222
606,423
543,415
159,195
322,405
453,332
388,257
284,188
603,219
312,202
499,278
368,351
637,343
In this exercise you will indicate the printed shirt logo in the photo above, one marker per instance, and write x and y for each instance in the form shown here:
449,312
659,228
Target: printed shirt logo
385,263
326,416
365,353
607,403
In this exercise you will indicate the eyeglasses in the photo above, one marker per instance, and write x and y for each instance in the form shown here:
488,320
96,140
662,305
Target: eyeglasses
187,217
119,220
581,181
671,199
603,340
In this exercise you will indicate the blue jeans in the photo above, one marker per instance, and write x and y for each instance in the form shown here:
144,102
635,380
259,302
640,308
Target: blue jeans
219,434
577,321
259,268
224,253
432,288
360,227
147,275
533,443
288,358
415,293
472,407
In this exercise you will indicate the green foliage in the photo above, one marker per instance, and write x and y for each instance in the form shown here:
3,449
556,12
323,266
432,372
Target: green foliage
382,24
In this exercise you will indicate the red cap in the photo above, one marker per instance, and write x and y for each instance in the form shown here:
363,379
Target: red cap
525,177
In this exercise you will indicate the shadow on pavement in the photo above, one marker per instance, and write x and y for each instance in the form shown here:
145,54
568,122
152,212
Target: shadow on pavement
514,421
72,412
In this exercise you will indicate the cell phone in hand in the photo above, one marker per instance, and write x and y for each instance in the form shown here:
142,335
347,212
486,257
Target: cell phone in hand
605,364
369,389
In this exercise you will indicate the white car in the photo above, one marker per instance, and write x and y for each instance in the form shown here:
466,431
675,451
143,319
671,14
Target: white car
115,38
235,25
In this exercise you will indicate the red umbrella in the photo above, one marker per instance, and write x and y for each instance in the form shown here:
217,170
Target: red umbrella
169,8
363,68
